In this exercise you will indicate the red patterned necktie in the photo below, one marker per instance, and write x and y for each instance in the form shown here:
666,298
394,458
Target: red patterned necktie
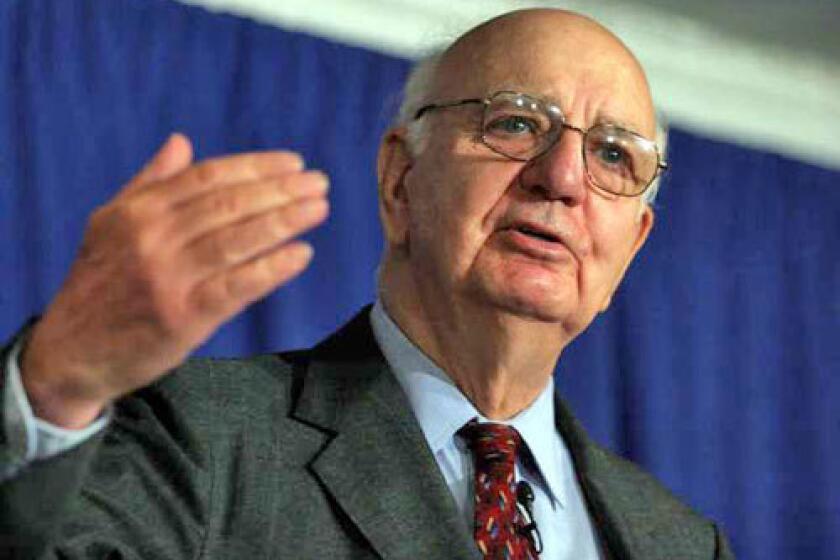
497,518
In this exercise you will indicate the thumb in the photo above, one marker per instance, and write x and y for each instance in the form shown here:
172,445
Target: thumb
173,157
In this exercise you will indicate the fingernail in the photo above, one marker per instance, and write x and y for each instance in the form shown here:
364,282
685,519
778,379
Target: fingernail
314,205
322,180
302,250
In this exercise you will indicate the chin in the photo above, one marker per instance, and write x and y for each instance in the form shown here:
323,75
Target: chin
535,301
528,311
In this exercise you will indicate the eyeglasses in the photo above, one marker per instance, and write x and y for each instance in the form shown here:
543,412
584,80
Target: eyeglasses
522,127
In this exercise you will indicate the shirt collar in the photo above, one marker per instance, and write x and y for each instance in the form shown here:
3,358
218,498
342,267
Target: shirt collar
441,409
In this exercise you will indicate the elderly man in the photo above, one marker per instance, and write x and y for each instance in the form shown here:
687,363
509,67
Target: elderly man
513,198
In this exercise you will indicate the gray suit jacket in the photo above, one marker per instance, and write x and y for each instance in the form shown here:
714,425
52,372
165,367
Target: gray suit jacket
312,454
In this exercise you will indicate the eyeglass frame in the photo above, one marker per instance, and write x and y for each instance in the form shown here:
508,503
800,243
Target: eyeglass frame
661,166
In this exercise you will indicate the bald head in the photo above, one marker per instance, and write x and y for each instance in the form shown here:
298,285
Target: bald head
553,27
549,52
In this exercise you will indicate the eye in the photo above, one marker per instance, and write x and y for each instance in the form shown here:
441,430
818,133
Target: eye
514,125
612,154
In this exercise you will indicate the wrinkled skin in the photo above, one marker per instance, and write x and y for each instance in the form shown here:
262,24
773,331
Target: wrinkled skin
493,308
181,249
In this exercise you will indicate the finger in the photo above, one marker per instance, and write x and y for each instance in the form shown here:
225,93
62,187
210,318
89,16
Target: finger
223,295
234,203
245,240
173,157
212,173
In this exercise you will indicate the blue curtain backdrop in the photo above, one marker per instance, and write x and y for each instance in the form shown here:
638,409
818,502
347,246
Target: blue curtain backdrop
716,368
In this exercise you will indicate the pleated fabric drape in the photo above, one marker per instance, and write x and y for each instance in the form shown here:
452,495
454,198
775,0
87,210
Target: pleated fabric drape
716,366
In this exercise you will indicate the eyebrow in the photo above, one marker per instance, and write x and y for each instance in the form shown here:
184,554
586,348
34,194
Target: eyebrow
600,118
609,119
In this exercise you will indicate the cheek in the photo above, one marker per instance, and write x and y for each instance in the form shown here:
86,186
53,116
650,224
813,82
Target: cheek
456,208
613,241
433,210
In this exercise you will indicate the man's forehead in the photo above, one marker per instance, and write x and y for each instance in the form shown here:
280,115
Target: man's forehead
608,98
553,55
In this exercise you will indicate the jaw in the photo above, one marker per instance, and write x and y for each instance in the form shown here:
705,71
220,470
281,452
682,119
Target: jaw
501,304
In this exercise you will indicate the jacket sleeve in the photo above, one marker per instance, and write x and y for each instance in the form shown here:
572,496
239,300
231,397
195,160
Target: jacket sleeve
133,490
33,499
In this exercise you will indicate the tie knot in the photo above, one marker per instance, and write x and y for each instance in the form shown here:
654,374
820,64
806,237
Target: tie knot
491,444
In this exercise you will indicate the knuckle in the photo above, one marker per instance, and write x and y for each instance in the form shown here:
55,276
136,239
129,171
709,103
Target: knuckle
145,248
204,298
98,220
151,204
278,225
147,284
165,303
247,283
214,296
131,214
259,272
148,268
233,285
124,227
282,191
207,172
140,224
226,204
220,249
170,321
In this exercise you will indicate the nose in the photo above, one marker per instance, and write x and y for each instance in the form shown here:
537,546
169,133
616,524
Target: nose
559,173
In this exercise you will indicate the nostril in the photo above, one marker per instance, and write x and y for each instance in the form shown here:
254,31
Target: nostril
569,197
533,186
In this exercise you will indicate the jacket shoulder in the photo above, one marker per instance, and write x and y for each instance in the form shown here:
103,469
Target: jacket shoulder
232,386
645,514
210,400
640,490
635,513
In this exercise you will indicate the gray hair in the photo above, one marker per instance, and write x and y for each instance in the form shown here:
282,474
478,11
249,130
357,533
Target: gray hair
649,196
419,86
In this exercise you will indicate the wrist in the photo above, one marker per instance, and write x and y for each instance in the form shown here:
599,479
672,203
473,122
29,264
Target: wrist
53,394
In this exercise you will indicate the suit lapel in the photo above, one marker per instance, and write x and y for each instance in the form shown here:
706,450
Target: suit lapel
629,525
377,466
380,471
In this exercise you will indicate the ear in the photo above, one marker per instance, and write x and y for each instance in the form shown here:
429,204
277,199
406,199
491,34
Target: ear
645,224
393,163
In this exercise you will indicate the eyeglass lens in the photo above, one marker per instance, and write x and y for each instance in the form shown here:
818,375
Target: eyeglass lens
522,127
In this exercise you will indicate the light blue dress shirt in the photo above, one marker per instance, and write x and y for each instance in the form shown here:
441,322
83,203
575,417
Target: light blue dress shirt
441,409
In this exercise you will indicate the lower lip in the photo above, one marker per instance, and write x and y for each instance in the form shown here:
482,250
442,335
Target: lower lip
534,246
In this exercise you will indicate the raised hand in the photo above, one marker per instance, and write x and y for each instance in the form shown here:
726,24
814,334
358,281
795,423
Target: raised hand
179,251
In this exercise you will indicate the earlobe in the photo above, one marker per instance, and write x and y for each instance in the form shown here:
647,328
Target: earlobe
393,164
645,224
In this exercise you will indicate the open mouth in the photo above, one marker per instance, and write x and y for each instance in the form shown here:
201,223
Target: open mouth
537,233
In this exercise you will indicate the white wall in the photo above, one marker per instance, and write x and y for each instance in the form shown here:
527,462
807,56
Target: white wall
706,80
